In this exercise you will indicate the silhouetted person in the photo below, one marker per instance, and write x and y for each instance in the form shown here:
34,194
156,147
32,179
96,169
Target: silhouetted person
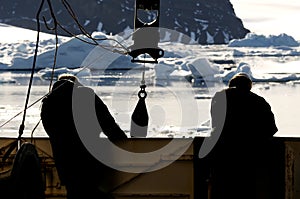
78,170
245,125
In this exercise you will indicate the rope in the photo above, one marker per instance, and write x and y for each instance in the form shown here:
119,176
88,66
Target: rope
35,127
142,93
84,32
140,117
41,98
54,61
144,70
5,123
22,126
56,25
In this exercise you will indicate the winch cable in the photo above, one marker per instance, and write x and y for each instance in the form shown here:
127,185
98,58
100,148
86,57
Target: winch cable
41,98
140,117
117,45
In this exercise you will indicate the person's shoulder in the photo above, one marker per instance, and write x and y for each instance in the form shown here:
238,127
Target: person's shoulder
219,94
259,99
84,90
256,96
230,92
61,83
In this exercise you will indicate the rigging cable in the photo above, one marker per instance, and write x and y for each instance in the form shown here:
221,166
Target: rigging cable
57,24
84,32
41,98
22,126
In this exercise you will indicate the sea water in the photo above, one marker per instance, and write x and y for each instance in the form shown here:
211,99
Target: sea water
175,108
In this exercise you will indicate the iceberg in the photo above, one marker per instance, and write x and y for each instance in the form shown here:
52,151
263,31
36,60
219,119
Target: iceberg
254,40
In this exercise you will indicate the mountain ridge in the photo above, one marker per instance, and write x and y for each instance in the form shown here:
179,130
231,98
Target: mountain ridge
207,22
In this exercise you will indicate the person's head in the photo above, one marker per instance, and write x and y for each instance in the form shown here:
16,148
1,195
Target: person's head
241,81
66,80
67,76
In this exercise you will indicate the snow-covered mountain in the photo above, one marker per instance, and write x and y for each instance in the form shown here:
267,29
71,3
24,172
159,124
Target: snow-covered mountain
207,22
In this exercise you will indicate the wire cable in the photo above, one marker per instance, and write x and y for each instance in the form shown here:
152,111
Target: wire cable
22,126
95,42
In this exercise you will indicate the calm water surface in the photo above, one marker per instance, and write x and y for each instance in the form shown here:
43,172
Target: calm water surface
175,108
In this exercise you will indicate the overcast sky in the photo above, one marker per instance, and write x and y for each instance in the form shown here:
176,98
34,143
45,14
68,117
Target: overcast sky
270,16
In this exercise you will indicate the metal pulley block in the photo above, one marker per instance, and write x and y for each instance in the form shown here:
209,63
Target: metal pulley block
146,31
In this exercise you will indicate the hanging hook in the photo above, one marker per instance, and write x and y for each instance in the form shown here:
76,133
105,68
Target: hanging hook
142,93
140,117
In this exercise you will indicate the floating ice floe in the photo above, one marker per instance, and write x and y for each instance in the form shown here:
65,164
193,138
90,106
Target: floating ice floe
79,72
182,132
6,80
246,68
189,62
197,67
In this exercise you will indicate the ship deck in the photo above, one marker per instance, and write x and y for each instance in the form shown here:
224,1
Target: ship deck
181,175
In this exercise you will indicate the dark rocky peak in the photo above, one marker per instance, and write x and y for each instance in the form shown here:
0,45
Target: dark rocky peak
207,22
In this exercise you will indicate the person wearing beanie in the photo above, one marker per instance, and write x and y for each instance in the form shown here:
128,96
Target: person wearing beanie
77,168
243,125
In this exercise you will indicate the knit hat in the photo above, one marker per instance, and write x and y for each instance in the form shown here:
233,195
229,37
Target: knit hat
241,81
